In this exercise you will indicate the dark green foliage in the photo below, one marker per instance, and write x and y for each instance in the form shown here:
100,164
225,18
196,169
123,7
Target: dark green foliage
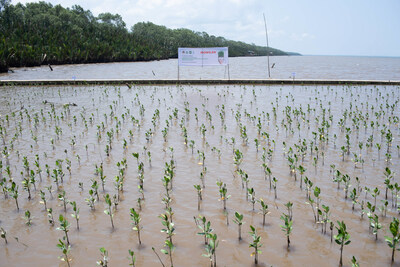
40,33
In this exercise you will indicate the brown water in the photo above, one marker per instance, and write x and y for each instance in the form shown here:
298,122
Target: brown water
302,67
37,243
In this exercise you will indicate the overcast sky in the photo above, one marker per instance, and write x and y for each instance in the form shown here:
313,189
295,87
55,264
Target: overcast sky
310,27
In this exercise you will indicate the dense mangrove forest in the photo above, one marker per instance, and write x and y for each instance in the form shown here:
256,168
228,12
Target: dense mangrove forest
40,33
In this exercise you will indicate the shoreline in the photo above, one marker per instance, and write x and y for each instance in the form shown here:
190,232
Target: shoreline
199,82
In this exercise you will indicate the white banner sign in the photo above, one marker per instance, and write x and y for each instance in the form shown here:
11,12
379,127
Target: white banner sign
210,56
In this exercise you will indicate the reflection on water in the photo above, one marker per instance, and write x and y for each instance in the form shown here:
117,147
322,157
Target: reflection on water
301,67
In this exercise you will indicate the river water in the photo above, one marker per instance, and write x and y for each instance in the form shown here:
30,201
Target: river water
284,67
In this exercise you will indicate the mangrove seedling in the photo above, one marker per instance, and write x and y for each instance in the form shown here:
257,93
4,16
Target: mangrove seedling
28,218
342,238
211,248
238,158
27,186
274,181
289,207
62,198
255,244
132,258
302,170
199,197
354,262
222,192
252,195
135,217
267,171
170,246
375,225
395,239
95,187
346,182
50,216
109,210
169,226
43,201
204,226
76,213
14,193
3,234
287,227
324,213
264,209
353,197
65,248
317,192
388,177
91,200
239,221
158,256
64,226
104,261
136,156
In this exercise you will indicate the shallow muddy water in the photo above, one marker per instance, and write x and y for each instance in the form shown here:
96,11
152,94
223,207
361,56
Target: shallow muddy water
36,121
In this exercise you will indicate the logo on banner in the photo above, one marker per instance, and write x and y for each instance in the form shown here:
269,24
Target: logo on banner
221,57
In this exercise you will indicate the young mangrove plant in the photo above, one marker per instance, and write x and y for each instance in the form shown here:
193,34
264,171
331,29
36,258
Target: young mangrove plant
395,239
267,172
324,213
27,186
91,200
287,227
239,221
342,238
238,158
289,206
43,201
388,177
135,217
64,226
169,226
170,247
13,191
199,196
3,234
354,262
211,248
353,197
204,226
65,248
75,215
252,194
104,261
375,225
50,216
264,209
158,256
255,243
223,193
302,170
274,181
132,258
109,210
28,218
61,197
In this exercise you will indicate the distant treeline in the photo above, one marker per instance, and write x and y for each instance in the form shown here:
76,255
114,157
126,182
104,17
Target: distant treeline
40,33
